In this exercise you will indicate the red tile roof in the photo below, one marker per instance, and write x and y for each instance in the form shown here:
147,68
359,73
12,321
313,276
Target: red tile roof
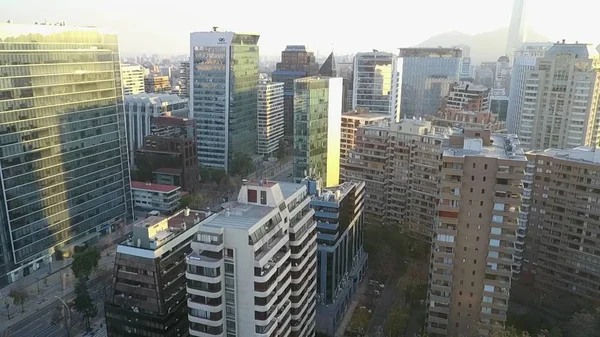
140,185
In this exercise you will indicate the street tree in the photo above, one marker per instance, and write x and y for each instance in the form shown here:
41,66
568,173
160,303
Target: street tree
85,262
241,164
583,324
104,279
359,321
83,302
193,201
396,321
19,295
281,150
62,317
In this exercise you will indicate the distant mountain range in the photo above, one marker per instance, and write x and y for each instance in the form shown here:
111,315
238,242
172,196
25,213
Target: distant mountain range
485,47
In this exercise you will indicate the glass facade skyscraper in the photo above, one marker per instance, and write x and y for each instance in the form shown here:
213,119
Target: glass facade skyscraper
63,150
317,129
223,101
426,76
296,62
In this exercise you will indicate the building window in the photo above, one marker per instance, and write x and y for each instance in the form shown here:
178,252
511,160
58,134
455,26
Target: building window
483,178
229,252
482,191
263,197
485,166
481,203
474,165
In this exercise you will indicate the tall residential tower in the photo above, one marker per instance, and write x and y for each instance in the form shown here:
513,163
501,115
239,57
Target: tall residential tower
377,83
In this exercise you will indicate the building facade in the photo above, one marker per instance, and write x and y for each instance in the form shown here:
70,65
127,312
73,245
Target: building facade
317,128
253,267
296,62
351,121
561,255
524,60
155,197
517,30
400,165
467,97
63,149
184,79
169,154
223,99
149,280
132,76
377,83
561,99
475,235
156,83
270,117
426,76
140,111
341,259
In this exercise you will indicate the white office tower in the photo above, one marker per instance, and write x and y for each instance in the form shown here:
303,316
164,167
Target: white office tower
517,31
523,60
253,267
270,117
377,83
132,77
561,99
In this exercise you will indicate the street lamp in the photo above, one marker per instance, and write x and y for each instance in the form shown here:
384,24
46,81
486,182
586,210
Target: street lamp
68,315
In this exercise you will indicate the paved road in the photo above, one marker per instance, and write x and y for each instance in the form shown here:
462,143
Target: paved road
383,306
40,324
284,173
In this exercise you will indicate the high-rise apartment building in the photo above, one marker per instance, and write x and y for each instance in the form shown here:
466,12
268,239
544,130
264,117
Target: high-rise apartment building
270,117
132,76
317,129
377,83
169,154
561,244
400,165
502,75
296,62
149,296
524,60
426,76
560,106
467,96
63,150
253,267
341,260
351,121
223,94
184,79
141,109
475,235
329,67
156,83
517,30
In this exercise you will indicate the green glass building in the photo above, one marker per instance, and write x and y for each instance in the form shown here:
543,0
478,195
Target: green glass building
64,169
223,95
317,129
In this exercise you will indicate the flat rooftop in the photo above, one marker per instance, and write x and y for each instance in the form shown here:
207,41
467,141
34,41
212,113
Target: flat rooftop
501,147
163,188
244,216
365,115
330,194
582,154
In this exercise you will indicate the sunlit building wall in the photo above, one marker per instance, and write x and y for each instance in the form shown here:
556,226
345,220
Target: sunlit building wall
63,150
376,83
317,129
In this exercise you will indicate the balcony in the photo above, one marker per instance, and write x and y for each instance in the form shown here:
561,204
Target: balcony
440,309
439,299
205,303
208,241
214,319
502,271
443,265
203,261
435,330
451,171
446,231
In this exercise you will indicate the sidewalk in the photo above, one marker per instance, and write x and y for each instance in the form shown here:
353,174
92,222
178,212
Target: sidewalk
44,285
353,304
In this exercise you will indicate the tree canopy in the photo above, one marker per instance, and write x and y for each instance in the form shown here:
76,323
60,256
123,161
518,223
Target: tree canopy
241,164
83,302
19,295
85,262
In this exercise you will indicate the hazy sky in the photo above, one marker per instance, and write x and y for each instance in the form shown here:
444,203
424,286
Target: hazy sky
164,26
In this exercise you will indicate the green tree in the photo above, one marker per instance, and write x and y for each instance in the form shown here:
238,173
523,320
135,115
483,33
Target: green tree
226,185
281,149
83,302
19,295
85,262
583,324
193,201
104,278
396,321
359,321
241,164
